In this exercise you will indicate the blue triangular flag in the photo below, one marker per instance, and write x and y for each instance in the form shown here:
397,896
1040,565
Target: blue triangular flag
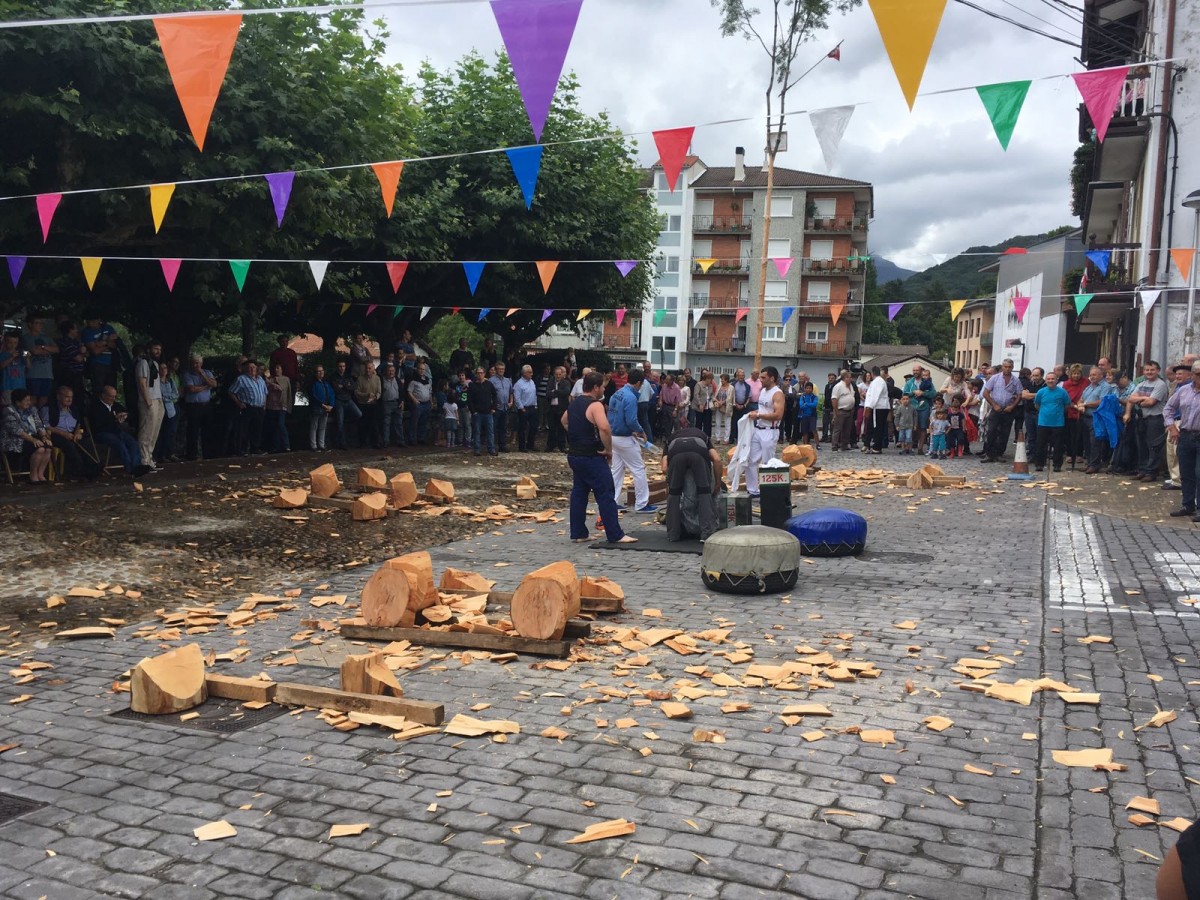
526,164
787,313
1100,258
473,271
483,312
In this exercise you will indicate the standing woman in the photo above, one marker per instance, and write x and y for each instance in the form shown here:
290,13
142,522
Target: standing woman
685,401
702,401
723,409
1075,440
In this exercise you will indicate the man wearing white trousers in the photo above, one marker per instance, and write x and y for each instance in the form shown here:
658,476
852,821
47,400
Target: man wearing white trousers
765,420
150,404
627,440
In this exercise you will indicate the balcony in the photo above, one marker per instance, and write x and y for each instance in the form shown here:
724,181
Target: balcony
836,266
1131,114
621,342
717,345
724,267
828,349
726,304
836,224
1121,273
732,224
985,339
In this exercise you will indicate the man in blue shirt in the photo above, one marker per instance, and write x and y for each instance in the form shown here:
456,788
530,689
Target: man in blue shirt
249,395
322,402
525,401
1051,403
627,440
198,384
100,339
504,389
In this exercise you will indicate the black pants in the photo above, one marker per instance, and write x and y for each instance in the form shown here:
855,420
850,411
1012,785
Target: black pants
1188,450
999,427
704,422
77,462
1050,443
500,417
249,429
733,424
677,471
196,416
645,415
527,425
1151,438
879,433
556,437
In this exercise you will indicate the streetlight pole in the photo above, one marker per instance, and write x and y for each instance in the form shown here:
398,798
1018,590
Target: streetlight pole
1192,202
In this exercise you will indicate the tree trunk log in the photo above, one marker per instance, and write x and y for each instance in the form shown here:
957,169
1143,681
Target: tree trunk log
439,491
459,580
369,507
367,674
290,498
372,478
324,481
404,490
170,683
545,601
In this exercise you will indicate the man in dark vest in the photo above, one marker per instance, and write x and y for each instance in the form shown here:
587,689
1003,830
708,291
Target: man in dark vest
691,451
589,449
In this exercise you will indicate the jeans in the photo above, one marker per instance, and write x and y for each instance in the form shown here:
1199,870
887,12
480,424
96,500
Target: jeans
318,422
484,429
500,424
393,423
126,447
249,430
644,417
999,426
420,420
197,420
1188,451
276,436
592,475
527,426
1151,437
345,409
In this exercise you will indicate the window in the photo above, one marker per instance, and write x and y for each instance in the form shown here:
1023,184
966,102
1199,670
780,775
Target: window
635,333
672,223
668,265
699,337
826,208
779,248
772,333
670,305
818,291
781,207
744,293
776,290
663,351
820,250
660,181
816,333
664,342
702,249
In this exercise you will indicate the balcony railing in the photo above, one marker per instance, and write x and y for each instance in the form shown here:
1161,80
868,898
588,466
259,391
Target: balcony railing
732,224
720,304
985,339
836,224
836,349
837,266
724,267
717,345
621,342
1120,276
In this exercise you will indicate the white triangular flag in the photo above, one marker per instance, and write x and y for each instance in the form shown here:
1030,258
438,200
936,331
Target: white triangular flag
1148,298
318,268
697,312
425,311
829,126
939,258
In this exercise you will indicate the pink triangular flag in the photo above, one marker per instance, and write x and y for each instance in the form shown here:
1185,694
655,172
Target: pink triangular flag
782,264
1100,90
742,312
170,270
1020,305
46,205
673,146
621,317
372,308
396,272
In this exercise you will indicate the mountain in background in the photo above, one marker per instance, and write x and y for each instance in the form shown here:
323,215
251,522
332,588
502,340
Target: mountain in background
886,270
960,276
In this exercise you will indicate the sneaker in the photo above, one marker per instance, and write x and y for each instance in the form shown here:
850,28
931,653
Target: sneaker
1182,511
1171,485
621,507
648,508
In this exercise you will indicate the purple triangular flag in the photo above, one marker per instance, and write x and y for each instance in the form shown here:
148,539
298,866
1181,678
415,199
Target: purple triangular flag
16,265
893,308
537,34
547,313
625,266
280,184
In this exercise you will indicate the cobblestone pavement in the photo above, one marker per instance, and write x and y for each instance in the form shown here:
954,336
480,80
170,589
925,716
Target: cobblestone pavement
999,572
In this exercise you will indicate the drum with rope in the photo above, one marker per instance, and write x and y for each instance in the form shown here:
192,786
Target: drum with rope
751,559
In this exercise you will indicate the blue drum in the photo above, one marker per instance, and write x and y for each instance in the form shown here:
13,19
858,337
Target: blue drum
829,532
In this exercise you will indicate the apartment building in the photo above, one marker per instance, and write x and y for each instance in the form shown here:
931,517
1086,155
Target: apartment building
974,334
705,313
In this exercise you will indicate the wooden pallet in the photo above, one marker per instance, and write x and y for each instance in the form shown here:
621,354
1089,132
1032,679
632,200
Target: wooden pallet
467,640
504,599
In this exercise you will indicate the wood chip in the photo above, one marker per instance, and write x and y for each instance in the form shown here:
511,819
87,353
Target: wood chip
1179,824
604,830
337,831
1144,804
887,779
1013,693
937,723
1080,697
214,831
1160,718
1095,639
881,736
673,710
471,727
811,736
906,625
1085,759
975,770
807,709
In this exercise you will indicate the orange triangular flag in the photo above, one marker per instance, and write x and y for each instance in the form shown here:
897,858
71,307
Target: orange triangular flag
1183,260
388,174
835,309
197,50
546,269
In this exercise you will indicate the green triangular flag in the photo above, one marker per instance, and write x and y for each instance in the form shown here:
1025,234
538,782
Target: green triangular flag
397,312
1003,103
240,267
659,315
1081,302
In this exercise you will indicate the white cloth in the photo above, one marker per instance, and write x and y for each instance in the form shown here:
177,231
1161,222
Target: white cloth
627,453
149,422
741,453
877,394
843,395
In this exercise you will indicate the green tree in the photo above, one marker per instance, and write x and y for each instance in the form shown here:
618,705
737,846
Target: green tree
876,327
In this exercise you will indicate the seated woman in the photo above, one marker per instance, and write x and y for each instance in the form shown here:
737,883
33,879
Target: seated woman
26,440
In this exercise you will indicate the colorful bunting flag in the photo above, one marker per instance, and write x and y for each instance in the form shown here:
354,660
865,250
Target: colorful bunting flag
91,268
16,265
939,258
583,314
483,314
1003,104
473,270
170,270
512,310
388,174
956,306
1182,257
893,309
396,271
240,267
397,311
546,269
625,266
659,316
705,264
46,206
742,312
546,313
1020,305
425,311
537,34
318,267
787,313
908,30
197,50
829,125
697,313
1100,90
673,146
280,186
836,308
454,310
1148,298
835,53
1081,302
526,163
160,199
782,264
345,309
621,317
1100,259
372,308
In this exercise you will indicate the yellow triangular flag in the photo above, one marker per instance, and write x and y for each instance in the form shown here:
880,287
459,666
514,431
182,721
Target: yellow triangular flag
583,314
91,268
160,199
546,269
345,306
908,30
511,311
705,264
956,306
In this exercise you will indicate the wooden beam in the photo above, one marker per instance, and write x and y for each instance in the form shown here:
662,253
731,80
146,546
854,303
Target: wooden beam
504,598
341,501
293,694
231,687
464,639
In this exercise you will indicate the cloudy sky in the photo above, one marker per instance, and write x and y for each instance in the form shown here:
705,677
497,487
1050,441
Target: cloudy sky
942,182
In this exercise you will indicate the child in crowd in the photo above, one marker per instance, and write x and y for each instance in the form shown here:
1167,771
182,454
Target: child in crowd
464,411
806,412
956,436
450,419
904,416
938,428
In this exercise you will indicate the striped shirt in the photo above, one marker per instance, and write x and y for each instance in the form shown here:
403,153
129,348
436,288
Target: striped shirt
251,391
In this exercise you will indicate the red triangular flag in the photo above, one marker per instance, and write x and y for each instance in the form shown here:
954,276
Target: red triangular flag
1100,90
197,50
673,146
388,174
396,272
835,53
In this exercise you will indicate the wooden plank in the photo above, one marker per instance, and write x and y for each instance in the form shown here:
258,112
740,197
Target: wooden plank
293,694
465,639
231,687
504,598
342,501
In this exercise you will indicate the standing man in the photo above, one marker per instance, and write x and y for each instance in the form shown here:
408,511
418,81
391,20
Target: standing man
420,394
481,396
920,392
766,420
391,399
344,405
1002,393
525,401
1093,396
249,395
627,440
543,396
1181,375
487,356
150,404
367,391
1183,411
461,359
831,381
877,407
1149,398
844,399
198,385
646,402
504,401
1051,403
41,351
741,400
285,357
100,339
589,447
322,401
559,396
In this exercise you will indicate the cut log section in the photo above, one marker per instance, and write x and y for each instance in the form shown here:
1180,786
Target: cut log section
545,601
230,687
799,454
170,683
600,588
526,488
367,674
437,491
323,481
399,590
658,492
404,490
460,580
799,472
369,507
291,498
374,479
